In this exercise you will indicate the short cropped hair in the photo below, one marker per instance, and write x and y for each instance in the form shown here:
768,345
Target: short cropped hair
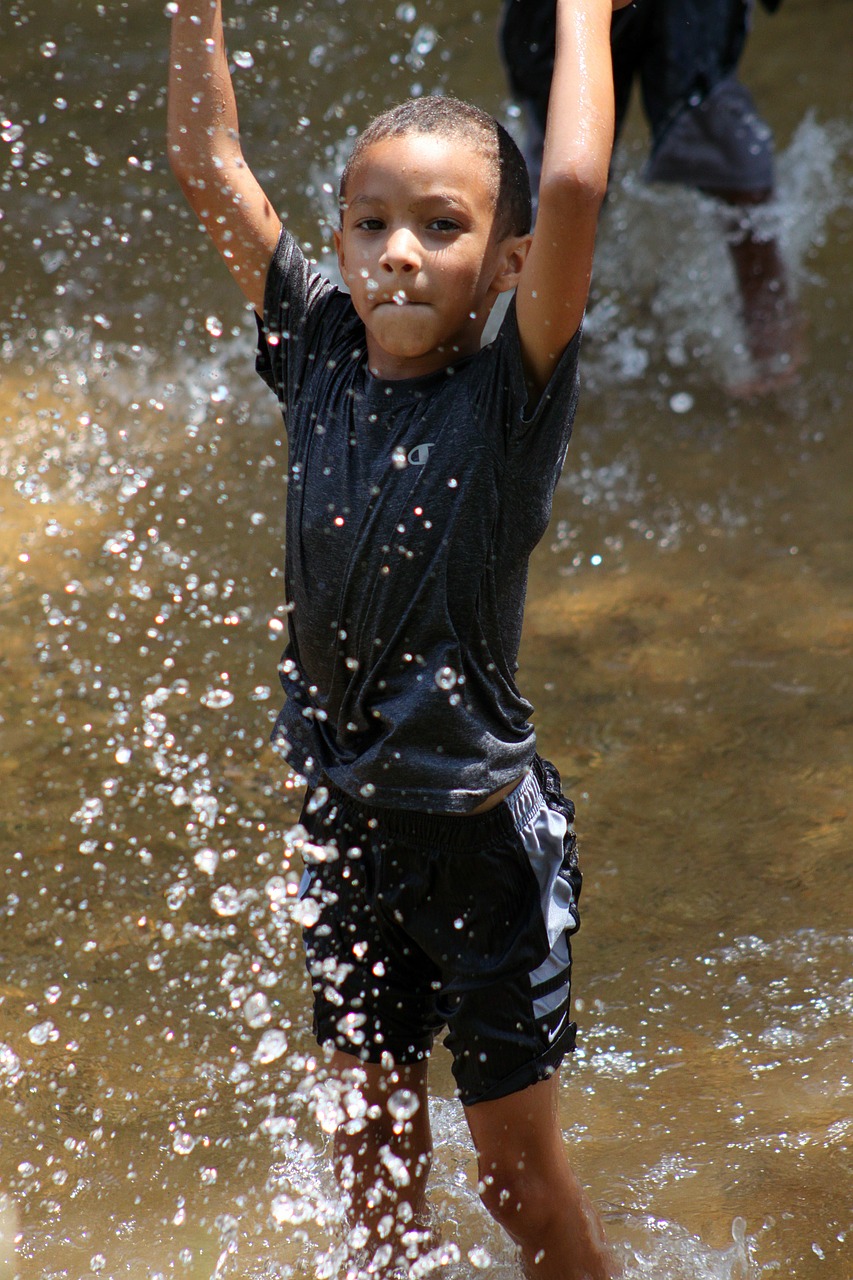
454,119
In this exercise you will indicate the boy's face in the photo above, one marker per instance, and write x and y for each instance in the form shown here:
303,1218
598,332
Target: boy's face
419,252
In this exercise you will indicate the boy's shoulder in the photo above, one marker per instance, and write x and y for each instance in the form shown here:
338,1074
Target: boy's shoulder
295,284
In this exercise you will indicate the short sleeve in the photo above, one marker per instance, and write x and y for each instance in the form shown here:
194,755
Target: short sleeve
295,300
536,441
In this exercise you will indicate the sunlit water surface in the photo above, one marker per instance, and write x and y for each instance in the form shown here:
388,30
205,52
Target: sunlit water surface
687,647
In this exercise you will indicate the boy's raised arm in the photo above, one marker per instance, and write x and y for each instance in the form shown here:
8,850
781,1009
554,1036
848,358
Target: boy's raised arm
205,153
554,283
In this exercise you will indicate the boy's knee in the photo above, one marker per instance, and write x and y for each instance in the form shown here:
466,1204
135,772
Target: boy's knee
520,1199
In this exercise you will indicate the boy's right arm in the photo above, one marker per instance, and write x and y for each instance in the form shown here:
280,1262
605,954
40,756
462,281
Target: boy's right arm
205,153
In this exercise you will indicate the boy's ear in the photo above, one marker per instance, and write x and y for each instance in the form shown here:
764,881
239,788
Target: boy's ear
339,250
513,254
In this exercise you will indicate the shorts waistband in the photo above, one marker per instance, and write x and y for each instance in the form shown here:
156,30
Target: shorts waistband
458,832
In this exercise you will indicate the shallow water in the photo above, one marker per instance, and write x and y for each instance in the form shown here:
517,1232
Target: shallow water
687,646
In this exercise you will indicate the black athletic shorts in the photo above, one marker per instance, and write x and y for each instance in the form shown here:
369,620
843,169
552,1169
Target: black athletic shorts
414,922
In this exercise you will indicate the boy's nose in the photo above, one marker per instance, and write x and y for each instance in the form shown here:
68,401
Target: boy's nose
402,251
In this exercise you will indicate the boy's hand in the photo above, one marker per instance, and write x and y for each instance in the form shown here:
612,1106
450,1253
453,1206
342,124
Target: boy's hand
204,148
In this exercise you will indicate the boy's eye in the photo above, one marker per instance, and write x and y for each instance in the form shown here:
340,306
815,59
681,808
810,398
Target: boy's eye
370,224
444,224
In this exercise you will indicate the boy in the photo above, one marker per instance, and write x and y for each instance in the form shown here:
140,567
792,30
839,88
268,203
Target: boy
442,878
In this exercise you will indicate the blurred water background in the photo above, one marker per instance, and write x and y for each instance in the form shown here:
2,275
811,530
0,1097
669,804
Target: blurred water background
687,646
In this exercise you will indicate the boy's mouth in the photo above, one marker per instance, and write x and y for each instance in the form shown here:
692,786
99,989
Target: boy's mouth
397,299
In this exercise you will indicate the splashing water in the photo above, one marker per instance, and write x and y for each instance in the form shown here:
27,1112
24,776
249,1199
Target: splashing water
668,1251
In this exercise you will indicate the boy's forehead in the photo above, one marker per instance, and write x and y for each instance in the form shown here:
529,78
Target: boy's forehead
449,165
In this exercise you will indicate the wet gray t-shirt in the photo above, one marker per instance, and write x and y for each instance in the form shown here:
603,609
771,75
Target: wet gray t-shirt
412,509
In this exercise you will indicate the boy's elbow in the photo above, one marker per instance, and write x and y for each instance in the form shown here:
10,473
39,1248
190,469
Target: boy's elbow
177,163
577,188
192,170
178,152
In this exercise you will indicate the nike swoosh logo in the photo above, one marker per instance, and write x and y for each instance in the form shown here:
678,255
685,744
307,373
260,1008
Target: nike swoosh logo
551,1036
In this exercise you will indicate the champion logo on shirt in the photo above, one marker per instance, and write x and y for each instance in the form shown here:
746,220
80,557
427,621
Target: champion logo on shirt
417,457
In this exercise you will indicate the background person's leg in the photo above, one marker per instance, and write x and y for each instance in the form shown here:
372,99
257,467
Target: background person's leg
707,133
527,1184
773,324
382,1157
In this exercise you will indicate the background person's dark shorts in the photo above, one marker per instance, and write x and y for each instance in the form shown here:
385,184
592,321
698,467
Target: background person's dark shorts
429,920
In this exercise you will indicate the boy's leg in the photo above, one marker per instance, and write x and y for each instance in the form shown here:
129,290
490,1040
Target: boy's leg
382,1159
528,1186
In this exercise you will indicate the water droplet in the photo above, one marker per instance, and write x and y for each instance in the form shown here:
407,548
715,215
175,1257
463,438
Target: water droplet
175,896
403,1104
256,1010
123,755
213,325
424,41
445,678
479,1257
406,13
42,1032
272,1045
183,1143
207,860
681,402
226,901
367,790
48,49
350,1026
244,59
306,913
216,699
318,799
284,1209
88,811
397,1168
10,1063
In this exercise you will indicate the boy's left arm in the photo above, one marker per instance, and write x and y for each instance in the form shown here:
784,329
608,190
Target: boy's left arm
554,282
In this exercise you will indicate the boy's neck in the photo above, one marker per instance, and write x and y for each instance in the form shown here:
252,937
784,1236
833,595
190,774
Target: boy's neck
396,368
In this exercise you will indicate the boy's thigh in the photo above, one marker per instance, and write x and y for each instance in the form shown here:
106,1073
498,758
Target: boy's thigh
373,989
512,1032
507,1037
